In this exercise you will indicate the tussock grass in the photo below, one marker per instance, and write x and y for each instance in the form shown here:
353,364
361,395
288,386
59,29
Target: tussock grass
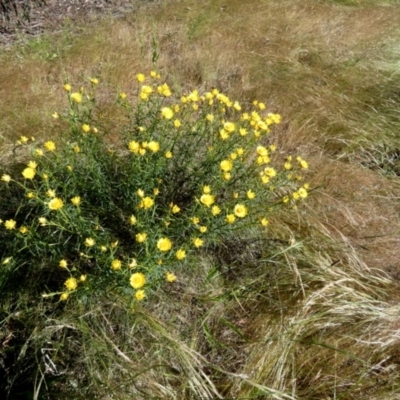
305,310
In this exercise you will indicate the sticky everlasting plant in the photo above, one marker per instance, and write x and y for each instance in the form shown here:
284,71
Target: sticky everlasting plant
126,211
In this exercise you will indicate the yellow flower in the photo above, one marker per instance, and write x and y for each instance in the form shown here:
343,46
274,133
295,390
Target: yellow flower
64,296
50,145
167,113
28,173
141,237
240,210
210,117
55,204
302,193
226,165
55,115
94,81
76,201
285,199
215,210
140,295
175,208
177,123
116,265
164,90
243,131
132,264
230,218
122,95
140,192
180,254
168,154
195,220
71,284
86,128
67,87
83,278
250,194
170,277
23,229
103,248
271,172
51,193
287,166
42,221
89,242
207,199
229,127
206,189
6,178
203,229
264,222
10,224
137,280
114,244
262,151
164,244
140,77
76,97
223,134
227,176
198,242
303,164
154,74
146,202
153,146
132,220
63,263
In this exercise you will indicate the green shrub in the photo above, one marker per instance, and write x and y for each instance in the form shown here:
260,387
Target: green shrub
94,210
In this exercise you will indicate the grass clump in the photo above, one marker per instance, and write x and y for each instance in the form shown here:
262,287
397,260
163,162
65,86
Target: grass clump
122,210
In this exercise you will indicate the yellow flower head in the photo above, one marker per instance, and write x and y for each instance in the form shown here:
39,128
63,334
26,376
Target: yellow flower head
164,244
137,280
116,265
207,199
140,295
71,284
177,123
86,128
146,202
89,242
6,178
76,97
229,127
195,220
67,87
64,296
141,237
230,218
175,208
215,210
250,194
226,165
55,204
264,222
180,254
210,117
63,263
198,242
140,77
262,151
167,113
132,220
170,277
94,81
153,146
76,201
10,224
206,189
51,193
133,263
28,173
203,229
42,221
240,210
122,95
50,145
23,229
168,154
302,193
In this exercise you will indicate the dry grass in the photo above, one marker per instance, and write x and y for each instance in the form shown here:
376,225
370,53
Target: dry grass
316,319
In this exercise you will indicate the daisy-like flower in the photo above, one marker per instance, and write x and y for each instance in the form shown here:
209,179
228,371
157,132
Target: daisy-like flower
116,265
76,97
76,201
206,189
89,242
153,146
240,210
28,173
168,154
141,237
6,178
71,284
132,220
175,208
55,204
167,113
140,295
140,77
147,202
262,151
230,218
122,95
10,224
207,199
50,145
51,193
264,222
215,210
210,117
42,221
94,81
226,165
64,296
180,254
302,193
250,194
137,280
170,277
23,229
177,123
86,128
67,87
198,242
164,244
63,263
203,229
195,220
133,263
83,278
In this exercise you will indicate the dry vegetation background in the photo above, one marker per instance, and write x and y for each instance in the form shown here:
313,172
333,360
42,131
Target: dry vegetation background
331,69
